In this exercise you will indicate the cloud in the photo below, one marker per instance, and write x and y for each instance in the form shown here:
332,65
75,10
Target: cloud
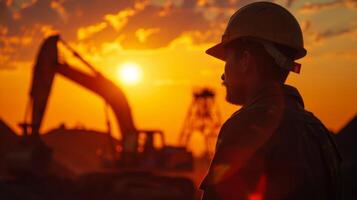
148,26
335,33
58,6
5,14
119,20
64,15
28,22
350,55
143,34
305,25
289,3
170,26
351,4
85,32
310,8
92,25
48,30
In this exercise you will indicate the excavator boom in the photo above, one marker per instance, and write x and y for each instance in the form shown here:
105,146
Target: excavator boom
44,71
113,95
43,74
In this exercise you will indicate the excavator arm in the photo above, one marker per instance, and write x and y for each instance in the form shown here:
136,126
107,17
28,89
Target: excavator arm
42,79
113,95
47,67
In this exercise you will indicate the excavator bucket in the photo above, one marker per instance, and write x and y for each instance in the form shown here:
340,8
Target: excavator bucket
43,74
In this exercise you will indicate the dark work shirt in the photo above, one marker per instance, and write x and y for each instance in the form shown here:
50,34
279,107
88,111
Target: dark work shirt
273,149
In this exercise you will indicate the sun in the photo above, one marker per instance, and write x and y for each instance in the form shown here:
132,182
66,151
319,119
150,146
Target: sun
129,73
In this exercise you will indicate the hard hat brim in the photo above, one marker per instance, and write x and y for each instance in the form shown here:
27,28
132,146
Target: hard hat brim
217,51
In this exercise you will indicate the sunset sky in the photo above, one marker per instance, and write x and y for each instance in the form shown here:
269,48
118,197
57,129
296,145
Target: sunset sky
166,40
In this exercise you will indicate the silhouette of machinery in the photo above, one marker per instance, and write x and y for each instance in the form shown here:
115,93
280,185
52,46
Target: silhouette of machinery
203,117
138,161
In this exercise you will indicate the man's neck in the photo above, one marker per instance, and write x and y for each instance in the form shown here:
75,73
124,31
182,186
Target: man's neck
254,91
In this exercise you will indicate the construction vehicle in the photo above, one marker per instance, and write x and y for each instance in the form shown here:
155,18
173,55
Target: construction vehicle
139,169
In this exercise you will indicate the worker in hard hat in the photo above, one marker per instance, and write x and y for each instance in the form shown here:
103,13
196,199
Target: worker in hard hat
272,148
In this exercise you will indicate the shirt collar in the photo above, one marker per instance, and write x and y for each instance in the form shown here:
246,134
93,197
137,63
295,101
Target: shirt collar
274,90
277,90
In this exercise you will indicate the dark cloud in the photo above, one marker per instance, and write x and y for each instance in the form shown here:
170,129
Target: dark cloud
232,3
289,3
172,21
170,26
5,13
316,7
134,24
96,22
305,25
351,4
334,33
189,4
224,3
26,26
68,16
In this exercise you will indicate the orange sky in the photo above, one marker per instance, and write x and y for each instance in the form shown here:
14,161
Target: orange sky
167,39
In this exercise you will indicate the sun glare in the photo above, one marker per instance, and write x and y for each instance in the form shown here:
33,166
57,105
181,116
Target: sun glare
129,73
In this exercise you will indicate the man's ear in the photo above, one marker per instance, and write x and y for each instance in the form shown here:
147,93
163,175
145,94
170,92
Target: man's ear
246,60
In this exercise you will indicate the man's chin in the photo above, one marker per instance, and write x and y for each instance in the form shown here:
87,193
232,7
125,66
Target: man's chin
233,100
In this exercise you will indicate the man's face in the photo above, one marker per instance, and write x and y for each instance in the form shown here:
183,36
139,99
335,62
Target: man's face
234,77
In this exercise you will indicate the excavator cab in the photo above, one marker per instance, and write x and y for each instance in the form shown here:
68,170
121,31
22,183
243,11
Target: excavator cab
154,153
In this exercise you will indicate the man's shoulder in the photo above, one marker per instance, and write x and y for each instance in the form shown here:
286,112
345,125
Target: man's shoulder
302,116
258,114
267,119
252,124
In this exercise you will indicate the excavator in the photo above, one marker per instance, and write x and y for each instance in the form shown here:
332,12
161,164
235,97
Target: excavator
139,169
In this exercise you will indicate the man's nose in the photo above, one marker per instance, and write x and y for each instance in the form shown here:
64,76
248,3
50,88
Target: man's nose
222,77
